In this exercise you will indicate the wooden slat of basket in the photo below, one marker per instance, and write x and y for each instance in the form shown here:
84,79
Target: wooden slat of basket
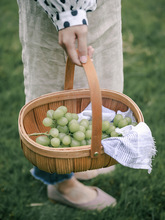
29,154
119,106
122,107
71,105
31,126
98,162
114,104
55,105
82,163
64,164
84,103
50,166
106,102
112,162
39,115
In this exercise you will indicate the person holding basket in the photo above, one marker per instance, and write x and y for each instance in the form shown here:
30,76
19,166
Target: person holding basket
51,30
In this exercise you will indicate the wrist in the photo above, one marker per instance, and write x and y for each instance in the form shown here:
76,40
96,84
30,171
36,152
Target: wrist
71,18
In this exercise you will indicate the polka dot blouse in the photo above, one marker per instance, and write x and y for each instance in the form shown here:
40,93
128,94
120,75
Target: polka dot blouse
66,13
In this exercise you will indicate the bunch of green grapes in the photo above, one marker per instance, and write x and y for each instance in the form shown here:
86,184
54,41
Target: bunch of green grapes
67,131
119,121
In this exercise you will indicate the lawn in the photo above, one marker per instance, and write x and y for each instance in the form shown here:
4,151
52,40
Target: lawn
140,196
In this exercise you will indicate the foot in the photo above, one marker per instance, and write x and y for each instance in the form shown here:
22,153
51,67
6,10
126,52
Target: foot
76,192
84,201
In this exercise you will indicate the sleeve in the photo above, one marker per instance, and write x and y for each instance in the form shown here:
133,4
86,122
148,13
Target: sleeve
66,13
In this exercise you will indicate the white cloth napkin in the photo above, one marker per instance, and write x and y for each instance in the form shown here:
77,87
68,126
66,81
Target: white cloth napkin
135,149
107,114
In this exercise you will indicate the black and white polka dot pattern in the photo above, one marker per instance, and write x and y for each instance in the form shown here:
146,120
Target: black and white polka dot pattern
66,13
71,18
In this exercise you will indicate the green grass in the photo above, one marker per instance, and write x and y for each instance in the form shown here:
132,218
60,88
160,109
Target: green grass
140,196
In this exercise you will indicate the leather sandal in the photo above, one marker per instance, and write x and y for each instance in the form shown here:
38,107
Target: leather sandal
102,200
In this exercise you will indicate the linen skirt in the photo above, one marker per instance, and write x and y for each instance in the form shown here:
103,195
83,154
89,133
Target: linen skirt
44,60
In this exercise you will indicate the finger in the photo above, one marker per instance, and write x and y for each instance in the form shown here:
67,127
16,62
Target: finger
68,44
90,51
82,46
72,53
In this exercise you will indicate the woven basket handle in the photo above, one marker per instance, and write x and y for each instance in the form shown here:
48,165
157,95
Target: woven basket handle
96,101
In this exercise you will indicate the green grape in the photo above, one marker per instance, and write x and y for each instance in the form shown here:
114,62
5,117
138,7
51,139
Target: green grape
129,120
43,140
114,134
58,113
66,140
90,122
134,123
47,122
122,123
79,135
62,121
73,120
83,142
63,129
61,136
50,113
105,125
110,129
85,123
74,143
88,142
104,136
55,142
54,132
63,108
68,115
117,118
74,116
74,126
63,145
82,128
88,134
90,127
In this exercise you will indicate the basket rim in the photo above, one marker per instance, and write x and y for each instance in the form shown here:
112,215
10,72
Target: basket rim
65,152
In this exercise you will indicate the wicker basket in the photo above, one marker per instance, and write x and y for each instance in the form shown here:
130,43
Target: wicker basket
71,159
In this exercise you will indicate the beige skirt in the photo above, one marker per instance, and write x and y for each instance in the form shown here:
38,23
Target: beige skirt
44,60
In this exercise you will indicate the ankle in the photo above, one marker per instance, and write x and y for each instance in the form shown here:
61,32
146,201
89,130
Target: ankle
67,185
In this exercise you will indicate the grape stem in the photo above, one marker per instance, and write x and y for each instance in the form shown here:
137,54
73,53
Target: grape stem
38,134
